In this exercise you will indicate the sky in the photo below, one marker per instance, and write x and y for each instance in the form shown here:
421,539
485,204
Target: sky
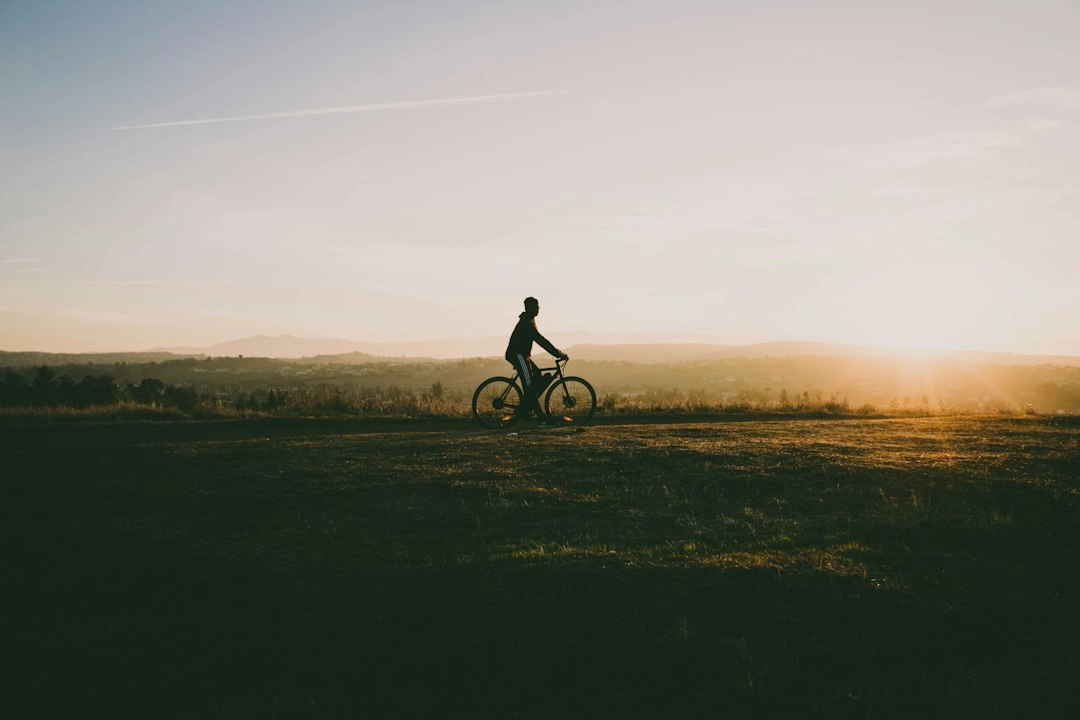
897,173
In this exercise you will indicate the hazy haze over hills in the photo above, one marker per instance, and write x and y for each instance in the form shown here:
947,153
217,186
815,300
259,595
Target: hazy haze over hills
290,346
664,373
641,348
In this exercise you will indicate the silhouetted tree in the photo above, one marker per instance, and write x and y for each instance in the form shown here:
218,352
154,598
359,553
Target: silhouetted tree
44,387
95,390
13,390
180,397
150,391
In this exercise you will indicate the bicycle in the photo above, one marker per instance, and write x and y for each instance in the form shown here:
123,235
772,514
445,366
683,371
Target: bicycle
569,400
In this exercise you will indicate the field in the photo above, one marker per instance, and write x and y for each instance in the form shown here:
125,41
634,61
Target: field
282,567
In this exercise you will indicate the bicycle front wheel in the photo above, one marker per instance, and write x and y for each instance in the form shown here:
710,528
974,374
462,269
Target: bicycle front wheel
571,401
495,403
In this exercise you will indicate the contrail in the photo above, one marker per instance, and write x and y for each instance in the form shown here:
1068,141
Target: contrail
356,109
146,282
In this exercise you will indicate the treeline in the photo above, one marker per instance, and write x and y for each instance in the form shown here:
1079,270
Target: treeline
45,388
242,385
885,383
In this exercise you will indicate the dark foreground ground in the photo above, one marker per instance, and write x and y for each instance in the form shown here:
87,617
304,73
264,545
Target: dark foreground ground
796,568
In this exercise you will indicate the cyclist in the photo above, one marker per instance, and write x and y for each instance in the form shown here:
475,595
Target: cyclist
519,354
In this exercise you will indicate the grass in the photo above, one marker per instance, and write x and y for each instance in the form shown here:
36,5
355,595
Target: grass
281,567
343,405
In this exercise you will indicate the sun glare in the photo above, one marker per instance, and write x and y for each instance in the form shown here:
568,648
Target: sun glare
915,320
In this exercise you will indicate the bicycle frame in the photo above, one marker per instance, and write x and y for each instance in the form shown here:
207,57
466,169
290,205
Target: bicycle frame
516,377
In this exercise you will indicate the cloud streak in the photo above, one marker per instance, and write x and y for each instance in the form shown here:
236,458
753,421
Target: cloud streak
379,107
148,282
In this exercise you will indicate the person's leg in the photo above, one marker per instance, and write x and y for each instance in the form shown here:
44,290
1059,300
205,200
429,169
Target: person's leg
539,383
527,371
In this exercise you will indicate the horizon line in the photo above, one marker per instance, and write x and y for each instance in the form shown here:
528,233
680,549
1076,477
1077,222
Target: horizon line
900,351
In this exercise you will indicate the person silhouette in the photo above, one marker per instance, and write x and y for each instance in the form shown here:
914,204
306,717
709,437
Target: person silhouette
519,354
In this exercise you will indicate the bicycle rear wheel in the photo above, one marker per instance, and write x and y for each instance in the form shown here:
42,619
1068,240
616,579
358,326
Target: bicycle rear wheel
495,403
571,401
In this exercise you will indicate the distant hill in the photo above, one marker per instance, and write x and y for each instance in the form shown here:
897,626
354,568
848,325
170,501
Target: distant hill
600,348
32,359
691,352
698,352
281,346
289,346
581,346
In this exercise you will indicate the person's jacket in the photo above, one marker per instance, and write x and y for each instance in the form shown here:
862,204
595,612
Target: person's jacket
523,337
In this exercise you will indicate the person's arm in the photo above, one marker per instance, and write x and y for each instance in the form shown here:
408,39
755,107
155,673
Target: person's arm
546,344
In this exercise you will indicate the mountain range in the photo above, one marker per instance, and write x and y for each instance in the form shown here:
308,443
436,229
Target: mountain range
583,346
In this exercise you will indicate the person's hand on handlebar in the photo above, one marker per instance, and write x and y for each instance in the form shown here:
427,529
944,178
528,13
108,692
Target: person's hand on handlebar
563,356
